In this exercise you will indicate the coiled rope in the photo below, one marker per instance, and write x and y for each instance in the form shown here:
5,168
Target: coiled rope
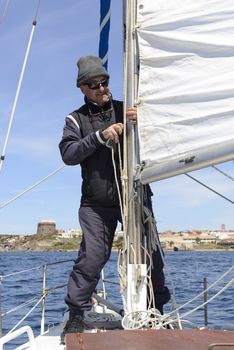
122,262
152,319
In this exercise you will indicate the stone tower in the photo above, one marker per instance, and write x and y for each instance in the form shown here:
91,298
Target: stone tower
46,227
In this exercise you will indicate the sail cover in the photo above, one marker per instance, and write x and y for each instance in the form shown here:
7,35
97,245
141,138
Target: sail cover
186,85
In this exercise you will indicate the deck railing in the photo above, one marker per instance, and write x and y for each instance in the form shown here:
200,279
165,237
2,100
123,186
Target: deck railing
36,299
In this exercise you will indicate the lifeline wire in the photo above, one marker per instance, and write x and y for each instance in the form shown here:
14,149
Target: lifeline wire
205,303
19,272
204,291
30,301
30,311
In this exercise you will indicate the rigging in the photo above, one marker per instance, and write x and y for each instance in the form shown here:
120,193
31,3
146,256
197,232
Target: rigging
222,172
32,187
209,188
5,6
2,157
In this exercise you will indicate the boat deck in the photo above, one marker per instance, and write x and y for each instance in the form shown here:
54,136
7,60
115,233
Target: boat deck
152,339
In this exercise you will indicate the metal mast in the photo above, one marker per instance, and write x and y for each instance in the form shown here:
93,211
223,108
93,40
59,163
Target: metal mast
136,271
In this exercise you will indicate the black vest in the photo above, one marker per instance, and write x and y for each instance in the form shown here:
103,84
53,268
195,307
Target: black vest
98,186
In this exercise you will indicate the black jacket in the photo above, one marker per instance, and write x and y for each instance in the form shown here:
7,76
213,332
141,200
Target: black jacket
82,143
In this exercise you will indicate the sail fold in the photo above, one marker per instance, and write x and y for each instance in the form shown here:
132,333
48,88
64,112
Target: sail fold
186,85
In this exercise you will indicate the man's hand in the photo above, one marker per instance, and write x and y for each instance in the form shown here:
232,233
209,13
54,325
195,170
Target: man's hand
132,115
113,132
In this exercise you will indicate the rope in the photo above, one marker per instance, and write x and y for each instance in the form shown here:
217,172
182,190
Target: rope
204,291
203,304
27,314
142,319
4,10
152,229
222,172
209,188
20,306
32,187
109,145
121,266
153,319
105,14
19,272
18,88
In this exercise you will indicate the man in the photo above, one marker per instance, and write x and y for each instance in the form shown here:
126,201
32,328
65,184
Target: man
85,135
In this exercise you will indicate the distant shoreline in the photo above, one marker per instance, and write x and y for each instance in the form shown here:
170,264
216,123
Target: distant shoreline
113,249
55,243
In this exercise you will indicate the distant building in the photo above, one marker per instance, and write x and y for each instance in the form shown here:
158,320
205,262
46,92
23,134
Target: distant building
46,227
71,233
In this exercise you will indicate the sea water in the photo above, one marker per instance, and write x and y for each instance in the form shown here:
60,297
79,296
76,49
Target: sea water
185,272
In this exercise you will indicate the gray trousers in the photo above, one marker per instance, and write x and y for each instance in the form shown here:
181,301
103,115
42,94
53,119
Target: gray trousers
98,225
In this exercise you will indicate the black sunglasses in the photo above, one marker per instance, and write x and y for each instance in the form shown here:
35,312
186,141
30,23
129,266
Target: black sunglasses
97,85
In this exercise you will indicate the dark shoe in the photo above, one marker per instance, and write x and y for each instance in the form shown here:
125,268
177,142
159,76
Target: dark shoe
75,324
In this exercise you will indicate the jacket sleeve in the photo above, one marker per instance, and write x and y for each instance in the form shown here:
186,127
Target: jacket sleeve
73,148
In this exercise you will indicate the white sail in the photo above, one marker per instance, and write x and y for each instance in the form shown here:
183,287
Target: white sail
186,85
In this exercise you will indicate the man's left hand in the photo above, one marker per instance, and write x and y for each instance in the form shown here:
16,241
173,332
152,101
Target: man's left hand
131,115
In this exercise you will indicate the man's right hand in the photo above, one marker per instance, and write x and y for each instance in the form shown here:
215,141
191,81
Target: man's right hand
113,132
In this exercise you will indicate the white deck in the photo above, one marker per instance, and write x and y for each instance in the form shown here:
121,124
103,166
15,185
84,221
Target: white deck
50,340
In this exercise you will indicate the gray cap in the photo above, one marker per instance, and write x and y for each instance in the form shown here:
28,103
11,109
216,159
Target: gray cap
89,67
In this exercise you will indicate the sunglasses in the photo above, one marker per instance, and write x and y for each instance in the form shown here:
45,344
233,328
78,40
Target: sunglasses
97,85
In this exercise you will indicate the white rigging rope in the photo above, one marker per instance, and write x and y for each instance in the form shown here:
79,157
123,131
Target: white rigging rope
32,187
122,269
152,227
18,88
152,319
108,144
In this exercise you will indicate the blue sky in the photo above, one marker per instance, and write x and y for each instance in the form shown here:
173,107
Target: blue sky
65,31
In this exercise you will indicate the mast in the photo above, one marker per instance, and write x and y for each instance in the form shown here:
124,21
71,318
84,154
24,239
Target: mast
136,267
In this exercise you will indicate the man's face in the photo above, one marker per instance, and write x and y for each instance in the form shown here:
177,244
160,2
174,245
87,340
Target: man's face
96,90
